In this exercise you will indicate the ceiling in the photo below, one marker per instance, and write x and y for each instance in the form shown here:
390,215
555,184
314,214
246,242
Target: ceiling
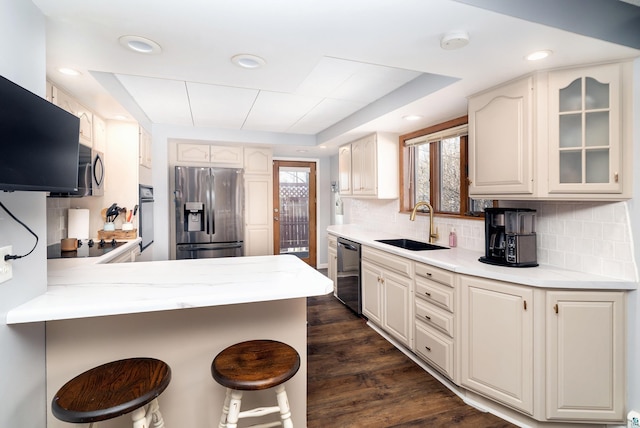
334,70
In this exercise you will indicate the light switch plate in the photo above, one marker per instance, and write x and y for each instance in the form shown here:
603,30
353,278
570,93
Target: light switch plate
6,272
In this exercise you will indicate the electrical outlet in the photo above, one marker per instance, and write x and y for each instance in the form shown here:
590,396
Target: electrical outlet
6,273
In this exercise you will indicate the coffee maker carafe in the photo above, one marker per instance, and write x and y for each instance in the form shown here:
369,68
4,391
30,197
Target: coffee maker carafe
510,237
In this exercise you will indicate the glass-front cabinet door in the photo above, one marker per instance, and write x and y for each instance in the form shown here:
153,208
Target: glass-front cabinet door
584,130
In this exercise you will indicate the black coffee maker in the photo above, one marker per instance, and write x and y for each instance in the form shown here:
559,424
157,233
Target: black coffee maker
510,237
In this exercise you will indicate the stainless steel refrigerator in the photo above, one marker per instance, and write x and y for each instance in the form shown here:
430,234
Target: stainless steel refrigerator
209,205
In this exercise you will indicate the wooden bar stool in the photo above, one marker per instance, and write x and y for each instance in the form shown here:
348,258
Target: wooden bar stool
114,389
252,366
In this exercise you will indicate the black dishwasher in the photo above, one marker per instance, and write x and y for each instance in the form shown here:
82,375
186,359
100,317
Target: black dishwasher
348,275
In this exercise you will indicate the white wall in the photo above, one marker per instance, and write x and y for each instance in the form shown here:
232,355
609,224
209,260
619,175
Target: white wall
22,348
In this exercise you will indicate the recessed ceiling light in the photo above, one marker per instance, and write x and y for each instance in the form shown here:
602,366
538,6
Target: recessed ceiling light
248,61
140,44
537,55
69,71
454,40
412,117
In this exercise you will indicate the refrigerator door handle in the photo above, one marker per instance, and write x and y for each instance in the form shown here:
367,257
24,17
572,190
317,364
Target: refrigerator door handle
207,210
212,209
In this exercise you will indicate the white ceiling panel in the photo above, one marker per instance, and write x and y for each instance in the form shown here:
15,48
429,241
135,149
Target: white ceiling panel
323,115
163,100
276,112
220,106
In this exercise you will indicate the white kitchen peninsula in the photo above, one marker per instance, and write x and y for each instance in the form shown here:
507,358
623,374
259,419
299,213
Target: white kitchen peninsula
183,312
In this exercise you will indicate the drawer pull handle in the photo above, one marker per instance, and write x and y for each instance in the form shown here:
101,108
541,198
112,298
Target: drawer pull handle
428,273
428,317
427,348
427,293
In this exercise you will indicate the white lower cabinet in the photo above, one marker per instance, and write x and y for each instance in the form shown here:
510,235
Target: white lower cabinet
497,341
386,292
332,265
585,340
548,355
434,325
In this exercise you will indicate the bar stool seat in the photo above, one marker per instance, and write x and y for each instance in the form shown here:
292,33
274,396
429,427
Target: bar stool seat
253,366
114,389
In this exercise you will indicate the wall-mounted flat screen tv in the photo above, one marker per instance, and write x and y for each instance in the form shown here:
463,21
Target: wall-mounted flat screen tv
38,142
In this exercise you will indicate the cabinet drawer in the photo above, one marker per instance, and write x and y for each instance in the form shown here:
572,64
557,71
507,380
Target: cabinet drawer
434,317
333,242
435,274
380,258
435,348
435,293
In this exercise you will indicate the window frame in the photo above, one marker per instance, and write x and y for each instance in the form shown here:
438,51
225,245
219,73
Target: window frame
406,171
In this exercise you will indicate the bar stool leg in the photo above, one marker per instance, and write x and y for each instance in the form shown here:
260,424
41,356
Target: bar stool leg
225,409
283,403
234,409
149,418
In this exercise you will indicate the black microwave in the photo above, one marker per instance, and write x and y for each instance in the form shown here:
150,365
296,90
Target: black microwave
91,174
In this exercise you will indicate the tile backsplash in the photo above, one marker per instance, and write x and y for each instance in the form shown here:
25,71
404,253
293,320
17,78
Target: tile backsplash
592,237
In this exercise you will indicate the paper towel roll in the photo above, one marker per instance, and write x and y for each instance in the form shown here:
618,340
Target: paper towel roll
78,225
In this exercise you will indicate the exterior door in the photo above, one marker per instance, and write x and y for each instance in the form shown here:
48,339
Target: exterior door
294,206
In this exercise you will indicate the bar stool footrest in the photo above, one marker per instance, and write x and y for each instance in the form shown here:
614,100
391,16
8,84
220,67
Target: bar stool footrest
259,411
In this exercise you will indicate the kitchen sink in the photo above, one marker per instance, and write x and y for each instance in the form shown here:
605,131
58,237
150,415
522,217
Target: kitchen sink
410,244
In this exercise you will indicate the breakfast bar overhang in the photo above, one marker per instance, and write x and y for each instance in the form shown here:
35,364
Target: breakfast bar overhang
183,312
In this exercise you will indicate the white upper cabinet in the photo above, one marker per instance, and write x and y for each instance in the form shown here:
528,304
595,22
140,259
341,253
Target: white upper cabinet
368,167
210,155
563,134
500,126
68,103
585,130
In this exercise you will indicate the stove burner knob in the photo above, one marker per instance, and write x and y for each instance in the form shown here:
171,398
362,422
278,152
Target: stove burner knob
101,243
113,242
90,243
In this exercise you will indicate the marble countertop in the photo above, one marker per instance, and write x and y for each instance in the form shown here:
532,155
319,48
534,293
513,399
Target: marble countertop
93,289
466,262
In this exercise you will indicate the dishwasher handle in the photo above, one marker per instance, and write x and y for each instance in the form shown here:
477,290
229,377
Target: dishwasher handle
347,246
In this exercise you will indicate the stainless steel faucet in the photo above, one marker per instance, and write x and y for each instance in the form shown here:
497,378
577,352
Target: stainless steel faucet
433,236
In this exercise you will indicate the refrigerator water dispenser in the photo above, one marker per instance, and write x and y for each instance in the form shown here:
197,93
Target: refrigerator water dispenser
194,217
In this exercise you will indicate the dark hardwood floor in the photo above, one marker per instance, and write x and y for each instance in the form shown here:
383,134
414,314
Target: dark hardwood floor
356,378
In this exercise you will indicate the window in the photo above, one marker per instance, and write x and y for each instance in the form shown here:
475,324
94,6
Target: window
434,163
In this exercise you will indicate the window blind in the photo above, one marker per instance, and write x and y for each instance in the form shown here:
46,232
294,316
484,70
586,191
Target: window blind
456,131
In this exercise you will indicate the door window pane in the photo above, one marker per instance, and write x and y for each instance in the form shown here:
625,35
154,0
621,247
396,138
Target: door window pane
571,96
294,211
597,129
597,94
571,167
571,130
597,166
